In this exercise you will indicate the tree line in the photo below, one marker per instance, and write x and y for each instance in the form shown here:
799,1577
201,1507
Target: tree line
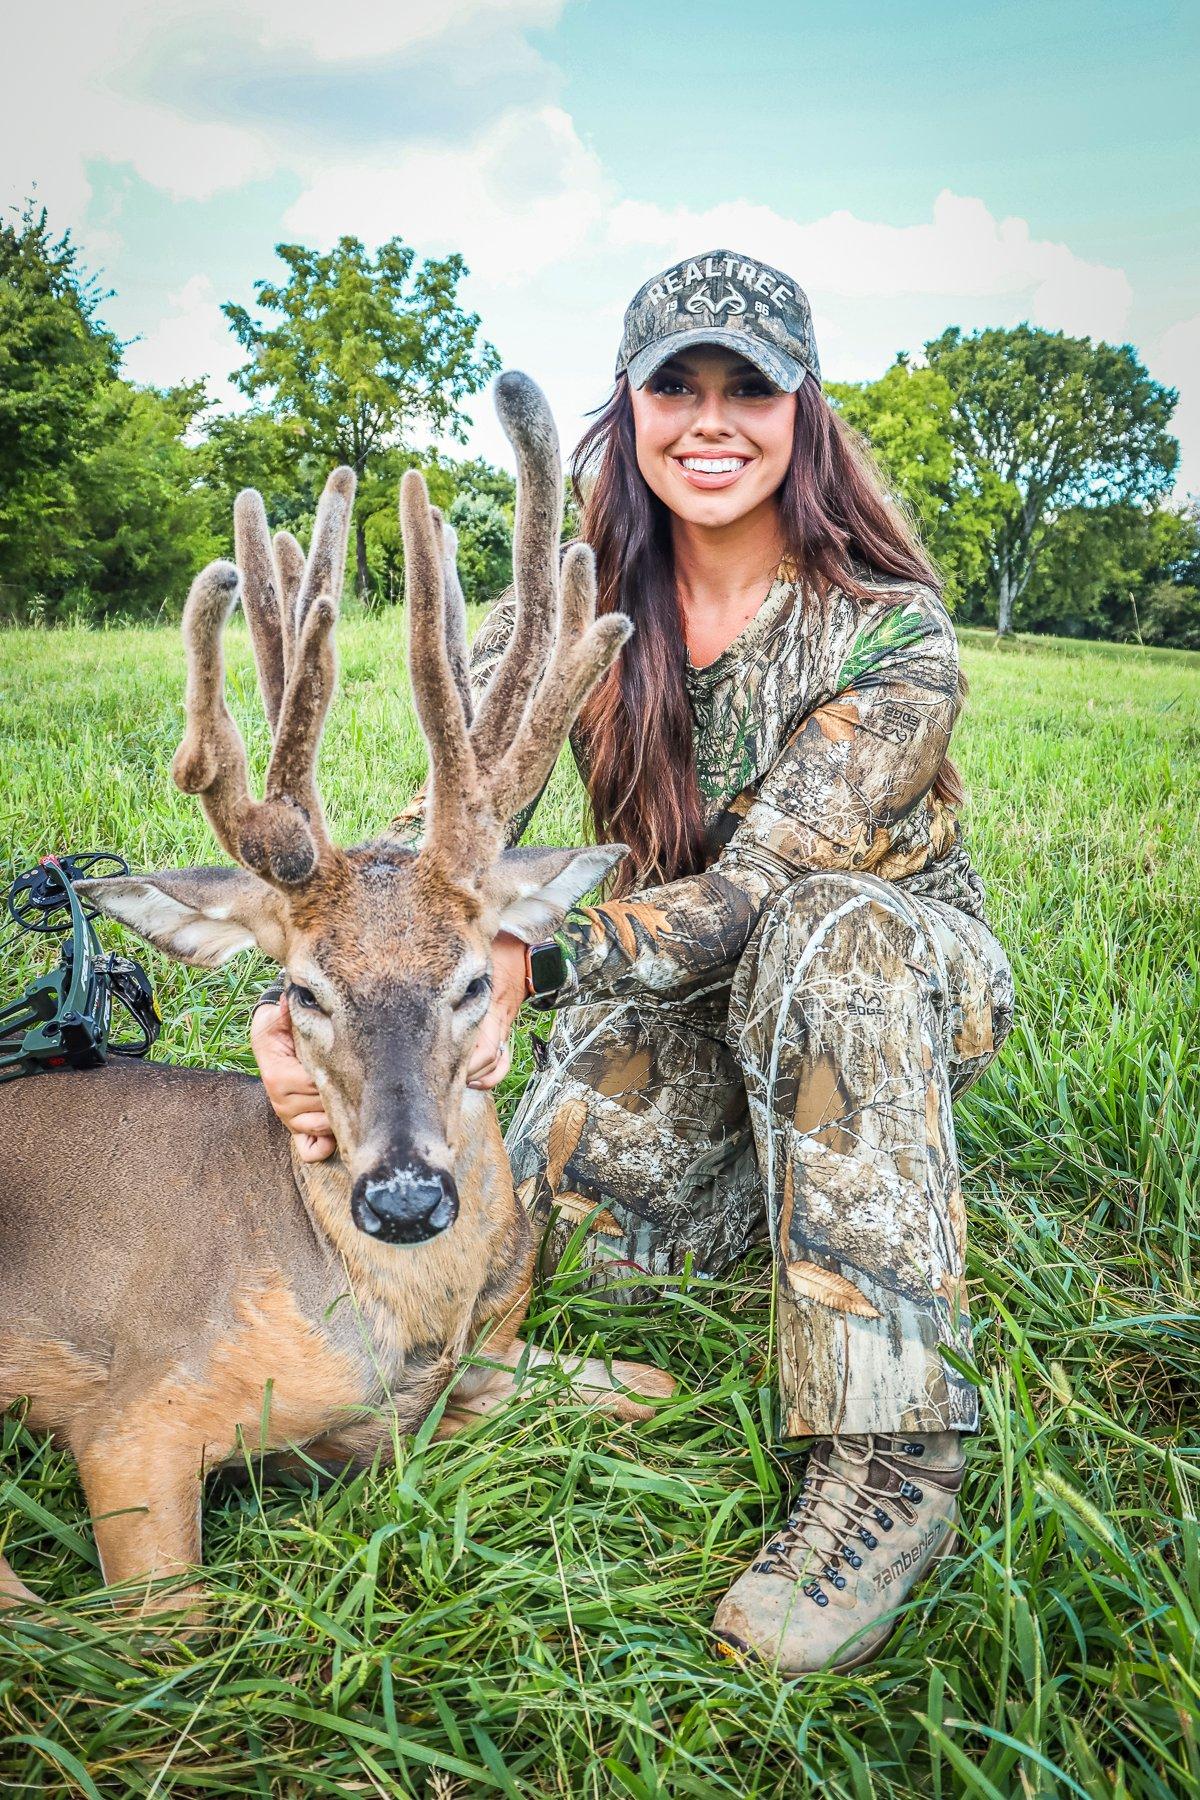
113,494
1038,466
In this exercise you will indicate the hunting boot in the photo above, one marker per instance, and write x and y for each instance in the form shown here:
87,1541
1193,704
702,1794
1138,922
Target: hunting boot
872,1515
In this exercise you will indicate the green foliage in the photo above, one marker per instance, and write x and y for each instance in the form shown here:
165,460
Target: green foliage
148,525
482,513
363,350
1033,465
56,361
102,513
1041,422
484,545
524,1610
255,449
113,496
1170,606
475,497
1119,572
905,418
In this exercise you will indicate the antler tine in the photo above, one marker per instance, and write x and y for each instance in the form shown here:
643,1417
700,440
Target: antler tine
453,797
261,596
272,837
456,614
291,773
211,760
529,427
289,561
325,570
584,650
282,837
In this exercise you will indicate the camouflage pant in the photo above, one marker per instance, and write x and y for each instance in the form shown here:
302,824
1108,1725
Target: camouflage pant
809,1098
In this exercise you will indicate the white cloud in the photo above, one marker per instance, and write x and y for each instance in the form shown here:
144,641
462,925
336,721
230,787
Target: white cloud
555,251
98,61
962,253
191,342
523,195
1175,359
364,28
101,117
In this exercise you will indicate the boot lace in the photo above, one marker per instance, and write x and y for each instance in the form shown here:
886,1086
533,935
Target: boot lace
830,1525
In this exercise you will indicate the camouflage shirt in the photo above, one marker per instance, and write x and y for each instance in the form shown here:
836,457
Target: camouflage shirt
818,734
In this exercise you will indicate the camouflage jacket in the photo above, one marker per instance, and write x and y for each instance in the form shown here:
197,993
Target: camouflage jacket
818,734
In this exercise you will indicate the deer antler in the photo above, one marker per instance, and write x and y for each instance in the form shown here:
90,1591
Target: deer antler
291,607
483,770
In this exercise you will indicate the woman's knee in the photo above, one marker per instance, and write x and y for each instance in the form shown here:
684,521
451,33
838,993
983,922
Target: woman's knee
822,910
848,941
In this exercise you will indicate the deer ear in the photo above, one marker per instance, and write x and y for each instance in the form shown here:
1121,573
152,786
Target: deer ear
532,888
201,916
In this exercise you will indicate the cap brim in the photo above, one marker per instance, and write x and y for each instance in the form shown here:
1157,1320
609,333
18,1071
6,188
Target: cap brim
776,365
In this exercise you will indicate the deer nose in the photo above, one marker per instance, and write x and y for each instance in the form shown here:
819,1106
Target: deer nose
408,1204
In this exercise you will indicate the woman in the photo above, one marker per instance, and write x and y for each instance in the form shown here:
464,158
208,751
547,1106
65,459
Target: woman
763,1026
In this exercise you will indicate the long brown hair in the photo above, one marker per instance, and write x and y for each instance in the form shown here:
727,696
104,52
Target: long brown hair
839,530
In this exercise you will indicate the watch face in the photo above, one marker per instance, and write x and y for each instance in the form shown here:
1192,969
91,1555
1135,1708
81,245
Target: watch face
547,966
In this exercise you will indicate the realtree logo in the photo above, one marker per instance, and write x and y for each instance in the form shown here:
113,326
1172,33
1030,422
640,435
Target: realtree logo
702,302
748,275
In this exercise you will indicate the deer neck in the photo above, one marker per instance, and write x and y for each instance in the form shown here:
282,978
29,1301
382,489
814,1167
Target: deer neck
417,1297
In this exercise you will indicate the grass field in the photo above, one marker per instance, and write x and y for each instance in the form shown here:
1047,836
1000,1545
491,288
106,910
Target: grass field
524,1610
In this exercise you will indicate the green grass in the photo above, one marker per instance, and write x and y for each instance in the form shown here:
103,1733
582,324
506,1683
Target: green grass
524,1610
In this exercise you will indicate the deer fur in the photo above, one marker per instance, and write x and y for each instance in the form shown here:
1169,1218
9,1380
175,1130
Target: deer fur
176,1287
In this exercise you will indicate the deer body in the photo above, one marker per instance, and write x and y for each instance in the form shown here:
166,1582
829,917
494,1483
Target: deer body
184,1225
176,1288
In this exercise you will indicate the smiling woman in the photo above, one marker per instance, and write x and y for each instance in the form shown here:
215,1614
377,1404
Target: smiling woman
761,1030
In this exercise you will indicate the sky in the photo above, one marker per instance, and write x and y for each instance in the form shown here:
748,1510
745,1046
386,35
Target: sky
910,166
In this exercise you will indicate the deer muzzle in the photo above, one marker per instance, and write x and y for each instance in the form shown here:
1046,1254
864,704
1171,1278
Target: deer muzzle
408,1203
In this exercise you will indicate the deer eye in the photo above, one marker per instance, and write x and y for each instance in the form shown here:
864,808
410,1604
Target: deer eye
475,990
302,996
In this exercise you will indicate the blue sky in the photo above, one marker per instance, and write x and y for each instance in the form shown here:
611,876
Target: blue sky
912,166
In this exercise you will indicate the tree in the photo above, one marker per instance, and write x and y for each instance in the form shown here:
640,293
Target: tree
1091,560
378,517
1169,610
905,417
483,513
364,350
56,358
255,449
478,499
485,534
1042,422
145,522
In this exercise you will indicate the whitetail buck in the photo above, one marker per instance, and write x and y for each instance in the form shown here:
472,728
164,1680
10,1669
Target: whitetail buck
172,1278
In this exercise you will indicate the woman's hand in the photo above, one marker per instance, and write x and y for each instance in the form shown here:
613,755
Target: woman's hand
290,1088
491,1055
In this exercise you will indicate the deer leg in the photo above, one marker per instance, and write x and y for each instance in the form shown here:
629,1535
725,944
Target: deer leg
144,1495
481,1390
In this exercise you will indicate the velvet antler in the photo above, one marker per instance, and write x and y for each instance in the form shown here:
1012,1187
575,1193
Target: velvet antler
485,769
292,607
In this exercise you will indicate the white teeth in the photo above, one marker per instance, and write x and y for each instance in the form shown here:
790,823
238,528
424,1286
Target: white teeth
714,465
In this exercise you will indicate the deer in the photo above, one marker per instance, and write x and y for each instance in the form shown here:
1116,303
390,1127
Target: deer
176,1286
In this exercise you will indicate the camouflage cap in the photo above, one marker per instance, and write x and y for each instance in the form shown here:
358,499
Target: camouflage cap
721,298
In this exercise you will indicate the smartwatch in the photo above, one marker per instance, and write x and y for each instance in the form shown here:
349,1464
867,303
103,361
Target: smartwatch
545,967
